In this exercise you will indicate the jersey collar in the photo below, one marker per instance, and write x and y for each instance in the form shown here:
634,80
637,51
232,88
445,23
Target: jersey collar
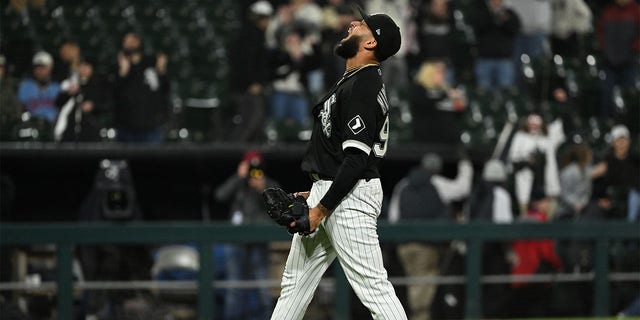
353,71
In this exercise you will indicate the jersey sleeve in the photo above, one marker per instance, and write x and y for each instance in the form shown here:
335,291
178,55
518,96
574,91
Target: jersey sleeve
360,114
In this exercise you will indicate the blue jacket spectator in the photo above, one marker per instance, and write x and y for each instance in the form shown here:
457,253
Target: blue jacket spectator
38,94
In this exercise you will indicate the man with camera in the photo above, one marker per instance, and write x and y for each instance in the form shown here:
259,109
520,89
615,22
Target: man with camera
247,261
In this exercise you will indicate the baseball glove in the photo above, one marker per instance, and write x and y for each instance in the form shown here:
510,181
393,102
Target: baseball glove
284,208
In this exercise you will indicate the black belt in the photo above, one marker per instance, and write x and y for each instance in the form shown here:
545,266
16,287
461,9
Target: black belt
319,177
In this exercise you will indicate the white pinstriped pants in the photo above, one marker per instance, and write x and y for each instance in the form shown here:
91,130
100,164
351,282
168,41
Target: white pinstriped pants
350,234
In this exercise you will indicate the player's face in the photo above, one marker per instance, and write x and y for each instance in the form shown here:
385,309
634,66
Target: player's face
357,28
357,32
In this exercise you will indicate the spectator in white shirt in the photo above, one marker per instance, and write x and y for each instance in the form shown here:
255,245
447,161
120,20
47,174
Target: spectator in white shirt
425,195
533,157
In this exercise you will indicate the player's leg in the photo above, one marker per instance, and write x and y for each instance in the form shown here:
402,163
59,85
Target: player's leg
309,257
352,230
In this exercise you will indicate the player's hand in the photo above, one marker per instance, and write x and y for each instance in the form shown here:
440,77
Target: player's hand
316,214
304,194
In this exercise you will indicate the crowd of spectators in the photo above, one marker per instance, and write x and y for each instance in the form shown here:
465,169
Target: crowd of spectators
67,101
526,186
281,60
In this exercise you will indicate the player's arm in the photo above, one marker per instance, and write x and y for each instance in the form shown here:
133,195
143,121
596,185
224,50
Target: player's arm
304,194
350,171
354,164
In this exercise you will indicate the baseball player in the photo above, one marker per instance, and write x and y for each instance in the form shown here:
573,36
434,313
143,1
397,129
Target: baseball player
349,138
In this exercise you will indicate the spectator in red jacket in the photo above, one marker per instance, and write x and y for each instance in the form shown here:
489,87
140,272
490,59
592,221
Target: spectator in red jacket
533,256
619,39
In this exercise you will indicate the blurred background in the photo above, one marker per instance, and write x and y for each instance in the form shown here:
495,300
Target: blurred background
153,112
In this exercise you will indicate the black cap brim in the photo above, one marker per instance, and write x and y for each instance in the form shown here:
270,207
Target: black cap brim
365,17
363,14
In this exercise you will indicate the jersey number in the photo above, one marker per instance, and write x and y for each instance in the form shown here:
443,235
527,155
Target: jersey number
380,149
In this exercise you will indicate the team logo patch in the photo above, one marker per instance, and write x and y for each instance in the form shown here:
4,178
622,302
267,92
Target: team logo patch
356,125
325,115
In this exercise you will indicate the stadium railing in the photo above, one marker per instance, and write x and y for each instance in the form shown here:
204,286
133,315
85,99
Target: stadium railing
66,236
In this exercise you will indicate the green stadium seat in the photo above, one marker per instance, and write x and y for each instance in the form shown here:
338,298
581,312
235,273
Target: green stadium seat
472,116
401,129
286,131
476,138
483,97
33,129
39,17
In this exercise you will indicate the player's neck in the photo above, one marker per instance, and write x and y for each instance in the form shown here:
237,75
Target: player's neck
359,62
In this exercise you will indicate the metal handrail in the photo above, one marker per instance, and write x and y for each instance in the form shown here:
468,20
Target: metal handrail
252,284
68,235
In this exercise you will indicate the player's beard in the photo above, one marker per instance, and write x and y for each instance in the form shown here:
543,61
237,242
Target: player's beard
348,48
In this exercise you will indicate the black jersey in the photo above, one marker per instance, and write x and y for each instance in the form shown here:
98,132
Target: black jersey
354,114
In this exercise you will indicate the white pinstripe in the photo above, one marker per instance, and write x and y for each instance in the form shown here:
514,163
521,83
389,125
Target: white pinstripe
350,234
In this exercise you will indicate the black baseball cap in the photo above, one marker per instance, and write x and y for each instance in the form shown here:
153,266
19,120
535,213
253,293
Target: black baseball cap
385,31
